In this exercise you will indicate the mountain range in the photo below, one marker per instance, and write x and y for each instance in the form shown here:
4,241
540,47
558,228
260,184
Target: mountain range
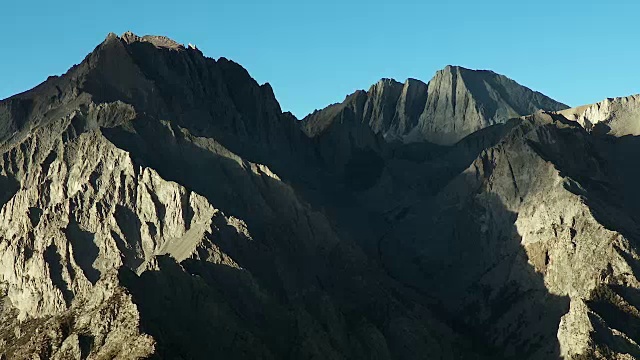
158,204
454,104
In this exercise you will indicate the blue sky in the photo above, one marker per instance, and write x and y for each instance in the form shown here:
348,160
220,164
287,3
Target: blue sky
316,52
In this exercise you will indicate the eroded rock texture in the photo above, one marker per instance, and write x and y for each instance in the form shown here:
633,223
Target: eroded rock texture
155,203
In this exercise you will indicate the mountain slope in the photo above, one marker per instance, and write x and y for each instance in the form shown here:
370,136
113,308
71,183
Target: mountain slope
455,103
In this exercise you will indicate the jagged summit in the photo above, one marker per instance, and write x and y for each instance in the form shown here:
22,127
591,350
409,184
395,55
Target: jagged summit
458,68
162,80
158,41
456,102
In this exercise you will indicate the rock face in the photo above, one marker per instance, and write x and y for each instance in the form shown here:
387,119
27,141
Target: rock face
155,203
454,104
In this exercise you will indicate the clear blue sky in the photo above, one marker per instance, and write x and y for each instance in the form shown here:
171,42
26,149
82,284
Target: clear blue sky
316,52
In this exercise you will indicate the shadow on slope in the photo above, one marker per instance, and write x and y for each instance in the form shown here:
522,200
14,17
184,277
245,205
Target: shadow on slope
8,188
85,251
303,291
467,256
191,316
601,170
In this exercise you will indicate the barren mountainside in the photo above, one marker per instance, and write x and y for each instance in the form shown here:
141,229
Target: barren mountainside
156,203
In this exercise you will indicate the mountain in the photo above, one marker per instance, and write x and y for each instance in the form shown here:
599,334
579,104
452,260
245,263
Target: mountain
454,104
139,219
156,203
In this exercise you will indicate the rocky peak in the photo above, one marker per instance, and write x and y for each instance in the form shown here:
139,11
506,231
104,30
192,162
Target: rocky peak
165,80
461,101
158,41
456,102
384,84
410,106
380,107
129,37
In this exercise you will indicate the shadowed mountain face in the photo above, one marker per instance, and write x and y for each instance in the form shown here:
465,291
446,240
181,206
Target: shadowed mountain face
156,203
454,104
